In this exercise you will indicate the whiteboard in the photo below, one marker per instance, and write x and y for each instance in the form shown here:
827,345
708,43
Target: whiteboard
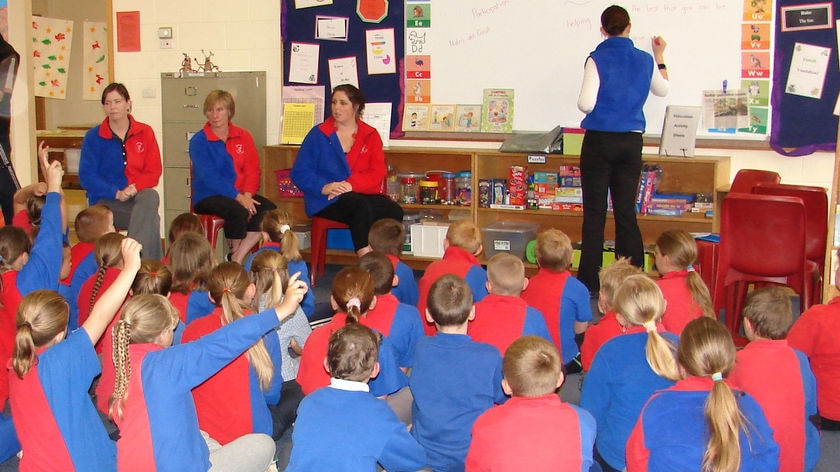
538,48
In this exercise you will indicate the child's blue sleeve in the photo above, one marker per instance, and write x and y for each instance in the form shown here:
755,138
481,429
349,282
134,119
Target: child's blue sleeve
198,305
476,278
535,324
812,435
390,378
406,290
308,303
44,265
272,345
587,437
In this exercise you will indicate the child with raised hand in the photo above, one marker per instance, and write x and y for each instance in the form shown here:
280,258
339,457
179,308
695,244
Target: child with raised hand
562,299
351,298
190,261
184,223
388,236
152,277
152,403
234,401
701,423
56,422
462,245
629,368
767,363
534,430
270,276
277,235
397,321
610,278
343,427
683,288
454,379
26,266
109,261
502,316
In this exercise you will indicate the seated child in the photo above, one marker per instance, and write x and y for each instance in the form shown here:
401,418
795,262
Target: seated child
562,299
183,223
109,262
277,235
462,246
817,334
351,298
388,235
607,327
343,427
454,379
534,430
90,224
502,316
779,378
683,288
190,261
701,423
397,321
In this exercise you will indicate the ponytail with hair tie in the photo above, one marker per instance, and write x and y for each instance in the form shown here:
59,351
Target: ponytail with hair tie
354,302
650,326
284,228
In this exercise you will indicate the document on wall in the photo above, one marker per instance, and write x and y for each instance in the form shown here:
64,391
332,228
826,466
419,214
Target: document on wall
303,63
381,56
378,115
808,67
343,70
298,119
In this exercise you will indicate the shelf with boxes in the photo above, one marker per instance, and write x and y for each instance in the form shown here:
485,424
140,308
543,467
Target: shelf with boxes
699,175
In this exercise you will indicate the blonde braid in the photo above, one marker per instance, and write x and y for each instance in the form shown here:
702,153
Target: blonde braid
122,365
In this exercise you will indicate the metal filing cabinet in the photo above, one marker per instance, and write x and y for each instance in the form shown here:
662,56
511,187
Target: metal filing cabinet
183,103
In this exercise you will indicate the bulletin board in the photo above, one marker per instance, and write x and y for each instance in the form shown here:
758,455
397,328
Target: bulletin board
804,123
298,25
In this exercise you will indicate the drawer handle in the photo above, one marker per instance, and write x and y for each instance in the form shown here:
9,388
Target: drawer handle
190,106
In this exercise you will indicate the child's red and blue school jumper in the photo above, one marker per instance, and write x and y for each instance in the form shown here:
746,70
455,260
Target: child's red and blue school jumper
534,434
671,432
780,380
343,428
681,307
562,300
454,380
86,295
596,335
41,271
616,388
455,261
501,320
399,322
406,290
312,375
58,425
231,403
308,303
159,429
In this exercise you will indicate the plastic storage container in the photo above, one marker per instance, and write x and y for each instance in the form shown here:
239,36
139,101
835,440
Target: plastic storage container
408,190
463,188
447,188
508,236
429,192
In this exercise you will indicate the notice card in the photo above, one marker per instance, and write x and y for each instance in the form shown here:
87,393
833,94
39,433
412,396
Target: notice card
298,119
807,70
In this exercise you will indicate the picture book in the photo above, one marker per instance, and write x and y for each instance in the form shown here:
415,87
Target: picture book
416,118
497,111
467,118
442,118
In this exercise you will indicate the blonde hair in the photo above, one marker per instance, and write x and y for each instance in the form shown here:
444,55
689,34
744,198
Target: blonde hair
270,275
681,249
107,252
613,275
153,277
278,225
41,316
639,300
465,235
142,320
532,367
223,97
706,349
553,250
227,285
353,284
506,274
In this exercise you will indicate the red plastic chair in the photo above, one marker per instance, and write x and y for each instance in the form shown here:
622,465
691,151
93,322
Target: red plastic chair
762,240
746,179
212,226
318,248
816,222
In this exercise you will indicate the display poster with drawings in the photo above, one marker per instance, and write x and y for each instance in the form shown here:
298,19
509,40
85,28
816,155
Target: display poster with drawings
303,63
724,111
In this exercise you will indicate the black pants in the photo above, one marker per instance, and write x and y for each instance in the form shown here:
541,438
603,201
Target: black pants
237,220
359,211
609,162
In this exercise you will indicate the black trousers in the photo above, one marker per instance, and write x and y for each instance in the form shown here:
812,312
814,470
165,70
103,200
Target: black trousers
609,162
359,211
238,222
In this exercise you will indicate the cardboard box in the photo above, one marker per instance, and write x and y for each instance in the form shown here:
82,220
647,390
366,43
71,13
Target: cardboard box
508,236
427,239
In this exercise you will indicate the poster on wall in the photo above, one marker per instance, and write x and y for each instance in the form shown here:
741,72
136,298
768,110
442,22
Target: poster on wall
51,40
94,76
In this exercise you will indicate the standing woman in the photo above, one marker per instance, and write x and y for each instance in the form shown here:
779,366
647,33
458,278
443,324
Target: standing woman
226,175
120,168
616,81
340,169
